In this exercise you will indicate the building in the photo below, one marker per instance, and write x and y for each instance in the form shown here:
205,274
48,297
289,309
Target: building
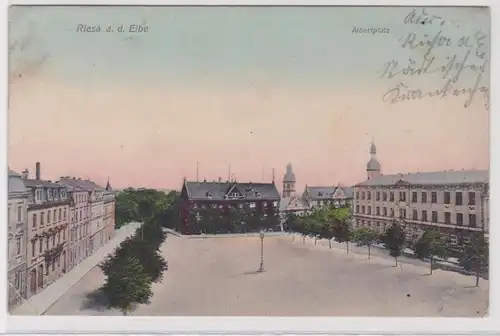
290,201
17,238
47,248
452,202
289,181
338,196
79,221
94,218
259,198
109,212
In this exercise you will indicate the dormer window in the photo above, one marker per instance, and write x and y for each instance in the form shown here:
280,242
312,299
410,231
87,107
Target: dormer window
49,194
235,195
257,194
38,195
208,194
320,193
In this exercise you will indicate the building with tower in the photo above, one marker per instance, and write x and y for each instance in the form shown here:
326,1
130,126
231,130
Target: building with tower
289,181
454,202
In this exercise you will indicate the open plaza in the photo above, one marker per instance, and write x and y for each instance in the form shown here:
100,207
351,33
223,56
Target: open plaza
217,276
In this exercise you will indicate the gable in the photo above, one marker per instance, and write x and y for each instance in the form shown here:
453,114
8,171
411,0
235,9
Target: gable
339,193
234,192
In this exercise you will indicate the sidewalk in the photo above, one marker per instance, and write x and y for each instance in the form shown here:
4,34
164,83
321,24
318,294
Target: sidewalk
39,303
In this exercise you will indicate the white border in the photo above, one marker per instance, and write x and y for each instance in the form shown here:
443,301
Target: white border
251,325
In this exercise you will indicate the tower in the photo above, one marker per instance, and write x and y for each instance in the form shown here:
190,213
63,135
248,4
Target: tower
289,182
373,166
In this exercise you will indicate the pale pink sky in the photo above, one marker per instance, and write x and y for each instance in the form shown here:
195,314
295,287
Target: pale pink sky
153,136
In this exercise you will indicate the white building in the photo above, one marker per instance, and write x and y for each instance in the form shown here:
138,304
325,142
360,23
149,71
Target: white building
17,238
453,202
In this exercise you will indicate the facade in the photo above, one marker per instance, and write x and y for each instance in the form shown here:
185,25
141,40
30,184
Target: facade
109,213
47,238
260,198
79,222
338,196
452,202
17,238
95,212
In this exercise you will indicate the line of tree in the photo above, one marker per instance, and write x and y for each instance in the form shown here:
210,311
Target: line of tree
336,223
138,262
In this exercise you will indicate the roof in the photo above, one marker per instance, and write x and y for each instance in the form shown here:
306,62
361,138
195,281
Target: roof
293,203
15,183
373,164
431,178
13,173
82,184
289,175
328,192
108,186
33,183
218,190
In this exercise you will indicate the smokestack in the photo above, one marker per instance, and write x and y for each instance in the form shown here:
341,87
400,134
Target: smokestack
25,174
273,175
197,170
37,171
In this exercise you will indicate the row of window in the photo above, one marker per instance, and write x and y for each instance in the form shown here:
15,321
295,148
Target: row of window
239,205
459,217
415,199
47,244
48,194
79,198
54,215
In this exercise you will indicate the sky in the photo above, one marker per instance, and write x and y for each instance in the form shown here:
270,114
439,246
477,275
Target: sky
245,91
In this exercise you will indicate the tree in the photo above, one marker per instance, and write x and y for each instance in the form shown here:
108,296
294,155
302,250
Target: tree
430,246
475,256
127,286
366,237
394,240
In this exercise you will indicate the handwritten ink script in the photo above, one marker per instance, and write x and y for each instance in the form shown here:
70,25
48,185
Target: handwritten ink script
452,66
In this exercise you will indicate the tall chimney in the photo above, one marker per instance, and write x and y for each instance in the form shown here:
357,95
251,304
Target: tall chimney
37,171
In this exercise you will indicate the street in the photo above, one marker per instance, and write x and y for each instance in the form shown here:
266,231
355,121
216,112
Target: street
217,276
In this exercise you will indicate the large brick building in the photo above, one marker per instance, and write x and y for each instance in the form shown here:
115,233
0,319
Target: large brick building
232,202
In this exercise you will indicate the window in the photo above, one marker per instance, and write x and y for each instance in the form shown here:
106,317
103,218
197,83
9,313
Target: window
414,197
33,248
42,215
434,216
447,218
402,196
362,209
424,216
34,221
64,213
447,198
81,217
17,280
362,195
48,217
54,217
453,239
59,214
434,197
357,208
472,198
424,197
59,237
392,212
40,246
458,198
460,218
415,215
53,265
391,196
378,195
402,213
378,211
19,213
38,196
320,193
18,245
385,211
208,194
76,214
369,195
472,220
47,243
369,210
49,194
384,196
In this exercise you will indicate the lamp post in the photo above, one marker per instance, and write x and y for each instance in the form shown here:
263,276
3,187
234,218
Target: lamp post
261,268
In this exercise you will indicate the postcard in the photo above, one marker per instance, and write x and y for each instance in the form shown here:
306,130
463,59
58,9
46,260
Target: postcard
248,161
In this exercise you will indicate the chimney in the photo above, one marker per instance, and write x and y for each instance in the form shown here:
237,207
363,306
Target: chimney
37,171
25,174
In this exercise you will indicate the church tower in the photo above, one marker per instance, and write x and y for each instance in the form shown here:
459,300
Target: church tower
373,166
289,182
